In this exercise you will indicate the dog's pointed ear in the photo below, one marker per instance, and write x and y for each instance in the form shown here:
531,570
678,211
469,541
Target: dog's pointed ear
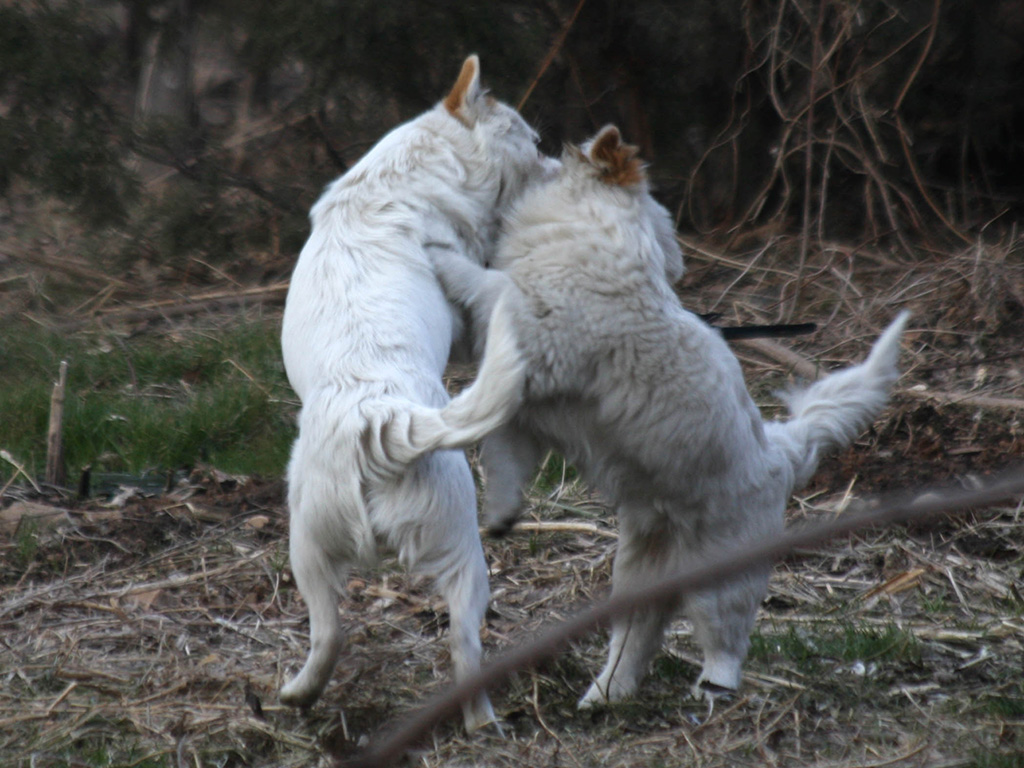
460,100
617,162
604,146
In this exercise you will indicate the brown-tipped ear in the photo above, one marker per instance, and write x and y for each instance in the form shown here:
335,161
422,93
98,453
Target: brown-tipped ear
466,88
618,162
604,145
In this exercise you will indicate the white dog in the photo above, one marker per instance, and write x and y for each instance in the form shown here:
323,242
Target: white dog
366,337
648,402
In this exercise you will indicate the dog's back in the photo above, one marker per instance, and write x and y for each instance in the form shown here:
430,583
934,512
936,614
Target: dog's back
363,304
366,326
642,394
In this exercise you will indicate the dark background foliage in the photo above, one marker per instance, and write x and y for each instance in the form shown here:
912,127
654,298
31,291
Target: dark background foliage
209,126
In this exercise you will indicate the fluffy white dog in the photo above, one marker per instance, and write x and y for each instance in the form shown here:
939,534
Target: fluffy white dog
366,337
648,402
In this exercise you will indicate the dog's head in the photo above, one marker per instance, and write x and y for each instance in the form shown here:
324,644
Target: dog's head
613,164
506,143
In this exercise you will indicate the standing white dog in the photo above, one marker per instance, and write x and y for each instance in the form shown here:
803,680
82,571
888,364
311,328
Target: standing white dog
366,337
649,402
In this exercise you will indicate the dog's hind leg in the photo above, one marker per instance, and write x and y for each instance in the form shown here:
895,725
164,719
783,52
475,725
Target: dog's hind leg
646,552
318,583
465,590
722,621
327,535
433,526
723,616
508,458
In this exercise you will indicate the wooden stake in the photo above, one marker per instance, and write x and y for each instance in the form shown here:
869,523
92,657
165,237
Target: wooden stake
55,472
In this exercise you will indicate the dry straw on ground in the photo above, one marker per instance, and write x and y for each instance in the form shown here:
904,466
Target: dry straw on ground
904,507
157,631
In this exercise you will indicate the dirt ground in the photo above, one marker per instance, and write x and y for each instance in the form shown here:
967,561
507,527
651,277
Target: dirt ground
155,630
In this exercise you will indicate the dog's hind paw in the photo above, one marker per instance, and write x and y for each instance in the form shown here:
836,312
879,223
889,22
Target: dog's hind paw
596,698
491,729
705,689
479,717
500,528
712,693
298,693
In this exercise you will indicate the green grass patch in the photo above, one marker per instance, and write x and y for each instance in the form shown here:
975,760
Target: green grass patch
1006,707
672,669
935,603
103,752
1014,759
26,544
812,648
150,402
554,472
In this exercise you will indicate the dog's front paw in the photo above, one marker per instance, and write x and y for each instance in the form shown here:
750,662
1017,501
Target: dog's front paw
460,277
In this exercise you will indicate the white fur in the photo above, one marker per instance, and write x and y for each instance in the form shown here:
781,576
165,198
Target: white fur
650,404
366,336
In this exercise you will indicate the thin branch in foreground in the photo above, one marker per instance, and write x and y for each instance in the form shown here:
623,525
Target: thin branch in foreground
556,46
883,510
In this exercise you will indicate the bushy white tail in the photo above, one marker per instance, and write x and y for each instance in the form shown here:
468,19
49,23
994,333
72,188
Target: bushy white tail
404,435
830,413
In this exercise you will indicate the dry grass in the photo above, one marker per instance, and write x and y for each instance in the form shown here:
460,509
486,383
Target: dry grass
156,632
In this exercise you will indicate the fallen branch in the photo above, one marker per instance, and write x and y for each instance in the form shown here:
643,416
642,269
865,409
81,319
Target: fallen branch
887,509
561,526
799,364
189,305
808,370
72,268
961,398
275,291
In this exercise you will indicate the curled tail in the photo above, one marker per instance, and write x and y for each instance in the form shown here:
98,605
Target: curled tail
404,435
830,413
